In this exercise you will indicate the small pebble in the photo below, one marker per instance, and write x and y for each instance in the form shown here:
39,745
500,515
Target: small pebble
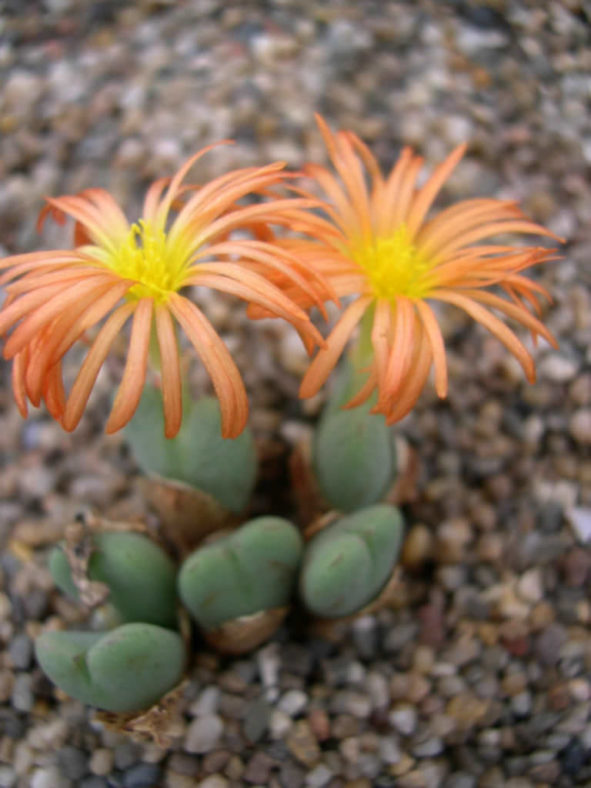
204,733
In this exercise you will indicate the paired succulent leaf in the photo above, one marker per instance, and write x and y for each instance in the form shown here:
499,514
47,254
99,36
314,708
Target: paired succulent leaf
199,456
347,564
353,452
127,669
251,570
140,576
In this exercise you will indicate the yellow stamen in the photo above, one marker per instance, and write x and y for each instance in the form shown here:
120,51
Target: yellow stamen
394,266
147,257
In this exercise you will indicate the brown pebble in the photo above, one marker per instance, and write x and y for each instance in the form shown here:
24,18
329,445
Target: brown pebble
418,547
488,633
302,744
466,709
344,725
545,772
541,616
417,687
432,625
514,683
403,766
559,697
518,646
452,538
319,724
258,769
214,761
575,566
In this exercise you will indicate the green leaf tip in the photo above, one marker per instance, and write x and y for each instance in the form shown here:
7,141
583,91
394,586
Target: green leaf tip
348,563
141,577
251,570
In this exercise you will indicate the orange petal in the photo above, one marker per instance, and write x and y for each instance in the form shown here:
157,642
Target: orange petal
412,387
494,325
171,373
326,358
401,350
18,382
92,363
53,306
53,392
216,359
134,375
427,194
437,346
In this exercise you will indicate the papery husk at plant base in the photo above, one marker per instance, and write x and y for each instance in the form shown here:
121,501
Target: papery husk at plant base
308,499
392,595
161,723
187,515
245,633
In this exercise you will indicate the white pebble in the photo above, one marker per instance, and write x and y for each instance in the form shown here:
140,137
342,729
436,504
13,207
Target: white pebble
530,586
207,702
204,733
580,519
293,702
319,776
48,778
557,368
279,724
404,719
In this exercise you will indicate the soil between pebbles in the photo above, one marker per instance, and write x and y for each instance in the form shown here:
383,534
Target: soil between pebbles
480,675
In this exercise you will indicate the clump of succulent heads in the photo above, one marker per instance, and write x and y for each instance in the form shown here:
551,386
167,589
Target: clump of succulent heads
354,236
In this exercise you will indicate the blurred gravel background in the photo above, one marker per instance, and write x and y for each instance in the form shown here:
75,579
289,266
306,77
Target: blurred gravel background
480,676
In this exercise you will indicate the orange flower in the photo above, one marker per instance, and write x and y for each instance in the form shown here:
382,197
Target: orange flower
120,271
377,246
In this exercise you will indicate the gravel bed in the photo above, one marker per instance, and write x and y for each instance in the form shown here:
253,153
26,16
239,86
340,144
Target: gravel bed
480,675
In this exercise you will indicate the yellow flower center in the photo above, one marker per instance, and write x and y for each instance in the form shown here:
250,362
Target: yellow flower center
146,257
393,266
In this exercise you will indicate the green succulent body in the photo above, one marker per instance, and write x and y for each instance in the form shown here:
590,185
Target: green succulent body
140,576
353,453
199,456
127,669
347,564
353,458
251,570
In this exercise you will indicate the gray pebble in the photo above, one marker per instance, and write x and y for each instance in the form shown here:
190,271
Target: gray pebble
143,775
22,694
319,776
126,754
460,780
548,644
365,636
21,651
429,748
8,776
256,720
94,782
73,762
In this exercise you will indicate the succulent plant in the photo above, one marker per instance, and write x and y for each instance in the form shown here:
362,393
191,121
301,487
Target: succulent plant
252,569
353,453
140,576
347,564
126,669
198,456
